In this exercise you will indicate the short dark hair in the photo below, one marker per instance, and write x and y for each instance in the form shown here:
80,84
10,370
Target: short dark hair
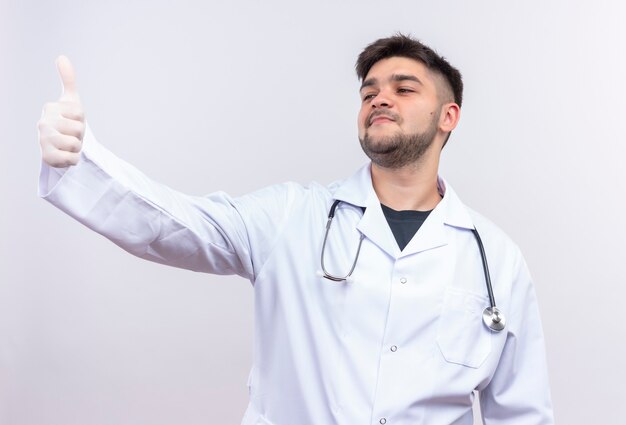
401,45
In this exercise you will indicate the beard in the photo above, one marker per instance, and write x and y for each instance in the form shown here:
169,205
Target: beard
399,150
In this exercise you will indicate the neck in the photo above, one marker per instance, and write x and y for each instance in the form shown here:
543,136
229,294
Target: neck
413,187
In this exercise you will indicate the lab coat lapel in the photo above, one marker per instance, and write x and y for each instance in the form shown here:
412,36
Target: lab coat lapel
358,190
374,226
432,234
449,212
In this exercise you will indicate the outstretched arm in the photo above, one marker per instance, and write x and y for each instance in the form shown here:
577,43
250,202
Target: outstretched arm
215,233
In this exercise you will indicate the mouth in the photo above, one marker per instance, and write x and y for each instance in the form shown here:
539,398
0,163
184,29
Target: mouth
380,119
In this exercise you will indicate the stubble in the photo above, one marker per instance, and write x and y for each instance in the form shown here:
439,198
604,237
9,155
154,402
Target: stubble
399,150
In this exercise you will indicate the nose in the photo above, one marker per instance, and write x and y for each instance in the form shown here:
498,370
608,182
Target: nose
382,100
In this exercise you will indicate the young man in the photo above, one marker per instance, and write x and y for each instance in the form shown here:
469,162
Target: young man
378,316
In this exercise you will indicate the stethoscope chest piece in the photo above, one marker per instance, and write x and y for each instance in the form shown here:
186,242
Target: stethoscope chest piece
494,319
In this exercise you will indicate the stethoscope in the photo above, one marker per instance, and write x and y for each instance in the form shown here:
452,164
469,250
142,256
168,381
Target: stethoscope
492,316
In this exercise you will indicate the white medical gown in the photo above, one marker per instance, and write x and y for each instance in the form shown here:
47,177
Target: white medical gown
403,343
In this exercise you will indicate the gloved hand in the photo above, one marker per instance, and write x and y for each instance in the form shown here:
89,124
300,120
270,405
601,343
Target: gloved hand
62,123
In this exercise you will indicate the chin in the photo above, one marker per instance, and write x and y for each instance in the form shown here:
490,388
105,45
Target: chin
382,136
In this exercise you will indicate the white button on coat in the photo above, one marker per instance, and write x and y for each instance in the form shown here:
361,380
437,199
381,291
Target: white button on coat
319,356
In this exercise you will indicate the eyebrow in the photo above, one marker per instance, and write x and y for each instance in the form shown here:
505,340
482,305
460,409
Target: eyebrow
395,77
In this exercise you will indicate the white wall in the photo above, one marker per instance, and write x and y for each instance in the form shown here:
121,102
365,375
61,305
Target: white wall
236,95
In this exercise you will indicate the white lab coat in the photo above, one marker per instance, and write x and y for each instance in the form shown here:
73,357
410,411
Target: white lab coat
401,344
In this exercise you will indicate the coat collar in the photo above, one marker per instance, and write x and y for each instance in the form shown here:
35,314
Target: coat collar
359,191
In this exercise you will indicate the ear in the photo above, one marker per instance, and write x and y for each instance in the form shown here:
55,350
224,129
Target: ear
449,118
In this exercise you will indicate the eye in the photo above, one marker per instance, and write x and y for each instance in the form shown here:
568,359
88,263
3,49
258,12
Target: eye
405,90
368,96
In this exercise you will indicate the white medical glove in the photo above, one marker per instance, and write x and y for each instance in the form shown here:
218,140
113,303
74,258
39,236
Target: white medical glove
62,123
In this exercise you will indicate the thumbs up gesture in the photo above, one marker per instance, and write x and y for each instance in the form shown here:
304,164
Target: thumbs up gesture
62,123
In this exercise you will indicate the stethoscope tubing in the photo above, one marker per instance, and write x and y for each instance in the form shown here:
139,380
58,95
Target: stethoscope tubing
481,247
331,215
492,317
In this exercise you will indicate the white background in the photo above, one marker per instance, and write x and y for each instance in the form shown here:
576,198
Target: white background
233,96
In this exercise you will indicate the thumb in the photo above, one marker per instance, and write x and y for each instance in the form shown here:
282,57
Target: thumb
68,78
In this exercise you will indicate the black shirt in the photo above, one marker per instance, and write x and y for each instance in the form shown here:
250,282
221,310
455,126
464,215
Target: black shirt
404,224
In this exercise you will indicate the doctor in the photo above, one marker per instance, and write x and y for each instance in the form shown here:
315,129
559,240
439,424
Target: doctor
401,341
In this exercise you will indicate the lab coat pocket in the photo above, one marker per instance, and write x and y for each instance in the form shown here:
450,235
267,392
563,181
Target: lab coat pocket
461,335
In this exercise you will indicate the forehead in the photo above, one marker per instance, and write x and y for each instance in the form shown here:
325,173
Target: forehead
386,68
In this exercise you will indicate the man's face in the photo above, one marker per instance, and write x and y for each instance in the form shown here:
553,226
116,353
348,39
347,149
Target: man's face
400,110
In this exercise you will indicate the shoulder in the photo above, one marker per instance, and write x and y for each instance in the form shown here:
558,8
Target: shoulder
492,232
497,243
487,226
460,214
505,255
283,197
